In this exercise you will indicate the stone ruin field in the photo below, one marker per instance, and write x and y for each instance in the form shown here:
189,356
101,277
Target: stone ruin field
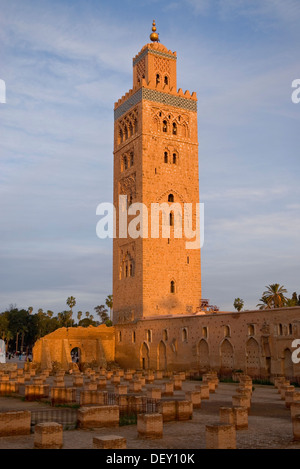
134,409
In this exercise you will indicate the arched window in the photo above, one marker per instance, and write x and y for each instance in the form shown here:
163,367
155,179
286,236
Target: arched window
280,329
226,331
120,136
126,132
133,337
204,332
166,157
174,158
125,163
184,335
157,78
250,329
120,336
165,126
165,335
131,269
174,128
131,158
166,80
290,329
149,335
126,271
172,286
130,129
170,198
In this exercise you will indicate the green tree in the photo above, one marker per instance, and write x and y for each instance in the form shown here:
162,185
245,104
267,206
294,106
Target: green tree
65,319
238,304
274,296
18,325
79,315
102,313
109,304
294,301
71,302
86,322
5,333
263,303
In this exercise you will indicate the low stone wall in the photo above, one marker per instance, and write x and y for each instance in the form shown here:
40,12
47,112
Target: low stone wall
15,423
97,417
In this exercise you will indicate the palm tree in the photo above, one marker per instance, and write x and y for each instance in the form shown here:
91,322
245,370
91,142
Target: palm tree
79,315
30,309
23,331
238,304
274,296
109,304
71,302
264,303
7,339
102,313
65,319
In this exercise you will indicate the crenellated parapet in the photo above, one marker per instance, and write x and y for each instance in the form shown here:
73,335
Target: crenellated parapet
154,79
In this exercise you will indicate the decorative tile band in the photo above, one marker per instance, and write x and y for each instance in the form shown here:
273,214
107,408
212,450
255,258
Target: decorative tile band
129,103
157,97
155,52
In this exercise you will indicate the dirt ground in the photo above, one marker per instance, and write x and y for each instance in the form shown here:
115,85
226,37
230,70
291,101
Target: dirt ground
270,424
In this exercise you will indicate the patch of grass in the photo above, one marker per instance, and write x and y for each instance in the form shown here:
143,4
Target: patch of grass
228,380
297,385
130,419
68,406
264,382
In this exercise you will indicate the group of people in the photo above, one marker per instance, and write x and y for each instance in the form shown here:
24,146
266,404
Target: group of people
19,355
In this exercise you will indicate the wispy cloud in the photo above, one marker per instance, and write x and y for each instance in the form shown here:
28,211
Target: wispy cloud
66,63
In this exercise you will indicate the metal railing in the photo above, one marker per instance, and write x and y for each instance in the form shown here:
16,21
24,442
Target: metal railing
66,417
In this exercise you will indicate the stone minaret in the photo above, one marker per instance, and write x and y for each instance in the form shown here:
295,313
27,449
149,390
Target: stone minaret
155,162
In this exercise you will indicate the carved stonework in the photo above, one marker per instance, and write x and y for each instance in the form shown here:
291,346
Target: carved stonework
125,317
162,65
127,185
265,329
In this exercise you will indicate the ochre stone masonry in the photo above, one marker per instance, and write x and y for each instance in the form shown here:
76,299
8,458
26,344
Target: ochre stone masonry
96,345
257,342
155,161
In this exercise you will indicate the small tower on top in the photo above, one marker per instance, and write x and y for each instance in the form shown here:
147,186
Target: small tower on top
155,64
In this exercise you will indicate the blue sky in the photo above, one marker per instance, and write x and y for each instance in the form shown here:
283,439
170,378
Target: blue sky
65,63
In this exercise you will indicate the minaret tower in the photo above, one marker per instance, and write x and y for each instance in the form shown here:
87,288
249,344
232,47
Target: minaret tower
155,162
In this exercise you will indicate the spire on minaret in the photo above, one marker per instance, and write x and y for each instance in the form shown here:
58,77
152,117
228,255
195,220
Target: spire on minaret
154,35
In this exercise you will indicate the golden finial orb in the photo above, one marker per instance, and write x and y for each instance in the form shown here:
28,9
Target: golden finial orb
154,35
